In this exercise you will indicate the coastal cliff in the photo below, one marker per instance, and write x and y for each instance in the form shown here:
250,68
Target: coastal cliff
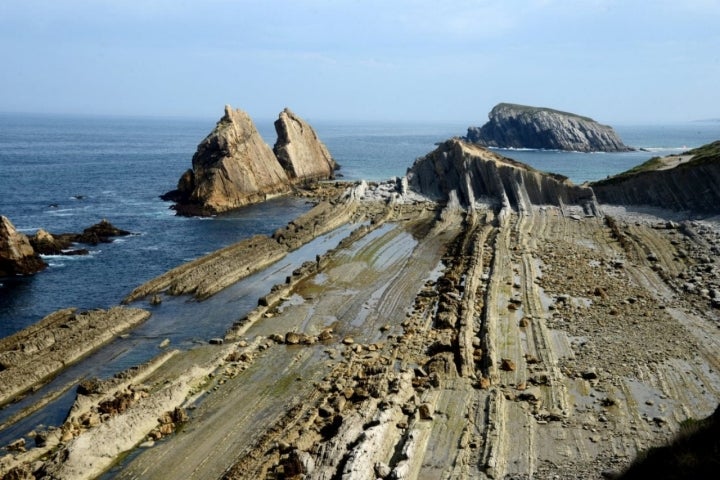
520,126
677,182
300,152
478,174
234,167
17,256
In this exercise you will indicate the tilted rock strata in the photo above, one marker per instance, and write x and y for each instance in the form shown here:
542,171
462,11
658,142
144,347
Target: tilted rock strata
17,256
477,174
520,126
234,167
299,150
692,184
39,351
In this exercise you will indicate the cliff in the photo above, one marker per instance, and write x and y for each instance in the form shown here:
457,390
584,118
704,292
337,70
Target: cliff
299,150
476,173
677,182
17,256
520,126
234,167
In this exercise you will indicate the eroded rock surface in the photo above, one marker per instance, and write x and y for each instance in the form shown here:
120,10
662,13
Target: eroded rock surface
677,182
17,256
480,175
299,150
520,126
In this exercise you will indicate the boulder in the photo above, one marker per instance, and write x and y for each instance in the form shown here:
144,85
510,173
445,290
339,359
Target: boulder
521,126
17,256
299,150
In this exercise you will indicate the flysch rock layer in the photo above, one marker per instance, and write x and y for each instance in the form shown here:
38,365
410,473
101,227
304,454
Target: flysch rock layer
299,150
687,182
41,350
480,175
232,167
17,256
520,126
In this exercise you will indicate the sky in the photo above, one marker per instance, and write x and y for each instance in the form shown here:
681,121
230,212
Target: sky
621,61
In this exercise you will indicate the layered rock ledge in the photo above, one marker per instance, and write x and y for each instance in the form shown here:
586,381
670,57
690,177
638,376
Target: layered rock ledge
234,167
687,182
477,174
521,126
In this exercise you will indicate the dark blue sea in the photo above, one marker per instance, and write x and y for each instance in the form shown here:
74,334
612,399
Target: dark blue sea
65,173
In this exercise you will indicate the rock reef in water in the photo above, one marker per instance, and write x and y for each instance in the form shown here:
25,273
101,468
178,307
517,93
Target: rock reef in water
300,152
520,126
234,167
46,243
478,174
17,256
677,182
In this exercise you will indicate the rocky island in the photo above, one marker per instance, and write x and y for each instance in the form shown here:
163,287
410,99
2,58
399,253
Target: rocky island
521,126
476,319
234,167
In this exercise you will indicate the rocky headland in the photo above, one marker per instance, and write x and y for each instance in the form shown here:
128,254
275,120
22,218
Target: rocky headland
685,182
521,126
234,167
480,320
17,256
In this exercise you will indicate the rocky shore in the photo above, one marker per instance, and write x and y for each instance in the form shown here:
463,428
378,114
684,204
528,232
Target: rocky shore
489,322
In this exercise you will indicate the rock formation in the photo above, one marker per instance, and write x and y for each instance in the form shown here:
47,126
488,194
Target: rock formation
520,126
17,256
677,182
299,150
46,243
234,167
478,174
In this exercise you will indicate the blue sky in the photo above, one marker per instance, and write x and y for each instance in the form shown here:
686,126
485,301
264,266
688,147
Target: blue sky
622,61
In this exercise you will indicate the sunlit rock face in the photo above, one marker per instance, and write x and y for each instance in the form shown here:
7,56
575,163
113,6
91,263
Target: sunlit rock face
478,174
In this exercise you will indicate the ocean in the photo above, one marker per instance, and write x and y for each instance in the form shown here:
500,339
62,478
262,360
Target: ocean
65,173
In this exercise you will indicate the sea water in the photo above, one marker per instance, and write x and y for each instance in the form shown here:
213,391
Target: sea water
65,173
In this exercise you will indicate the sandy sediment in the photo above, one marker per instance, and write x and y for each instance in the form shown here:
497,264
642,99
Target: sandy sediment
30,356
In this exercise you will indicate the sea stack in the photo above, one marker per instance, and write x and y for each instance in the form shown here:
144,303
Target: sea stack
299,150
234,167
521,126
17,256
477,174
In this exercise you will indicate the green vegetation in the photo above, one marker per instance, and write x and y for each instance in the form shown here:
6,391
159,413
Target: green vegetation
533,110
705,154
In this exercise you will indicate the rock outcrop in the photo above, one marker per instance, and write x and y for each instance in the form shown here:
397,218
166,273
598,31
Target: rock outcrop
234,167
520,126
677,182
46,243
478,174
17,256
300,152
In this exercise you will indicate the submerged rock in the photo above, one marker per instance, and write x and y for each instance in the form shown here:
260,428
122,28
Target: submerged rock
17,256
478,174
520,126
